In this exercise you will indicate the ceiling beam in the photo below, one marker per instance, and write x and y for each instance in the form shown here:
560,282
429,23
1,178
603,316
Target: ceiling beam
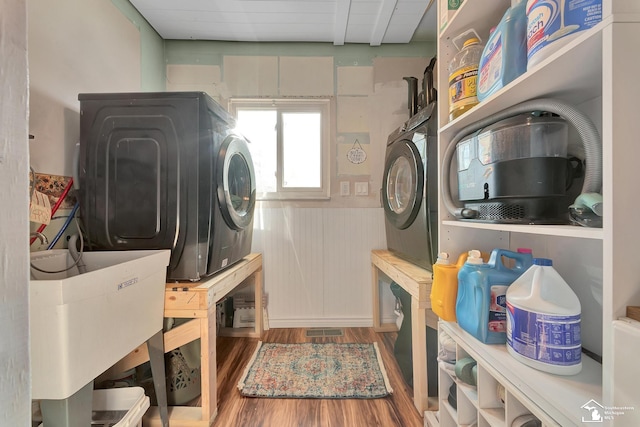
341,20
382,22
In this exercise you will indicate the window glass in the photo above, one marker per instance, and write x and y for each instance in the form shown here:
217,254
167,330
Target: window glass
301,143
289,143
259,127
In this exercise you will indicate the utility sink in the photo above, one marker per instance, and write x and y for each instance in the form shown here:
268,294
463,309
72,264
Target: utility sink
83,323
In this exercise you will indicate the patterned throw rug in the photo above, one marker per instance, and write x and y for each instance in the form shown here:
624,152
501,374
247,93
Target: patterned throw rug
325,371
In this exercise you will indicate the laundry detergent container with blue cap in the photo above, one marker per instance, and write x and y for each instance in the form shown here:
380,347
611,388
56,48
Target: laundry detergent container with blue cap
504,57
543,321
482,287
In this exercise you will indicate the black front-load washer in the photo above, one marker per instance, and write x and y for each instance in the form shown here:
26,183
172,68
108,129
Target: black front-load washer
165,170
410,190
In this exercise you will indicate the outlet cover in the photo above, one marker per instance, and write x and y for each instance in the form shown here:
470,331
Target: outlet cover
362,188
344,188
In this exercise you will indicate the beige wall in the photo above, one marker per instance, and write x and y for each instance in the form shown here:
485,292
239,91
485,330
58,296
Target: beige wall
370,102
74,47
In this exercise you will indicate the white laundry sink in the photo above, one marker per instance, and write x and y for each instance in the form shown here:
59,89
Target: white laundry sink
82,324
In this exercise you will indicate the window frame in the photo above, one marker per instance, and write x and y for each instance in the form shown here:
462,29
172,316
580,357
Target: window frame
293,105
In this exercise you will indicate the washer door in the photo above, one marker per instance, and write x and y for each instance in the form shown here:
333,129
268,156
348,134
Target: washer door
402,184
236,183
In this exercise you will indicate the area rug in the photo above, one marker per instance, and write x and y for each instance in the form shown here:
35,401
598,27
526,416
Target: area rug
310,370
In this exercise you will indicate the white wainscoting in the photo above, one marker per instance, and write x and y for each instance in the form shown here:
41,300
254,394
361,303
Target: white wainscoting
317,265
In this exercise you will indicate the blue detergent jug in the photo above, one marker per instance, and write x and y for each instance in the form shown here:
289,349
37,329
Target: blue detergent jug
482,287
504,57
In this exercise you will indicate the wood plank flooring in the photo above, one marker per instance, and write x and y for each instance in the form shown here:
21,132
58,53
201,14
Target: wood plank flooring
235,410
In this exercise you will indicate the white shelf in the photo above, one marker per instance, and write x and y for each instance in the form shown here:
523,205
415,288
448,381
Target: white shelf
561,397
452,412
494,416
547,230
482,19
572,63
469,391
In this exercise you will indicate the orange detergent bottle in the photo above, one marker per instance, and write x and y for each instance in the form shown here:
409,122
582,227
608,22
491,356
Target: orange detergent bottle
444,289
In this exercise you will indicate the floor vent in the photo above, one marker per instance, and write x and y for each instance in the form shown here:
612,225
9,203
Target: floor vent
330,332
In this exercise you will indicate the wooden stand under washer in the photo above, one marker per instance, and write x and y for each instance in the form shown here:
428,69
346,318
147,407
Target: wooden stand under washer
197,301
417,282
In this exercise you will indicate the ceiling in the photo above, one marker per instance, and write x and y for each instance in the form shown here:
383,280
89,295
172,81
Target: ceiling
373,22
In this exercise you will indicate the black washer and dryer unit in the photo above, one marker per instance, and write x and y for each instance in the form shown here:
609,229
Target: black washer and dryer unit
409,189
165,170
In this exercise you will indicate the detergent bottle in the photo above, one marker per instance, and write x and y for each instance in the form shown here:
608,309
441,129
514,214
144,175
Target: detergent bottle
444,288
481,302
463,74
543,321
504,58
525,262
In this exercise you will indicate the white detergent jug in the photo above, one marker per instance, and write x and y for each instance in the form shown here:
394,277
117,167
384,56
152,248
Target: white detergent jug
543,321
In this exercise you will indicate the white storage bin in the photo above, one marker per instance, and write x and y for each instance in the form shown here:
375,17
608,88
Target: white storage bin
109,406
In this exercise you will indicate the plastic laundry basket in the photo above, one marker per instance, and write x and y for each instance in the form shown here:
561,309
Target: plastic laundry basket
118,407
109,402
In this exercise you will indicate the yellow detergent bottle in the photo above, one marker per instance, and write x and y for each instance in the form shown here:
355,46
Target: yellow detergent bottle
444,289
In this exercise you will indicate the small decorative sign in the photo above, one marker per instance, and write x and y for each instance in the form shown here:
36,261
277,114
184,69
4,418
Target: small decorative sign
356,155
39,208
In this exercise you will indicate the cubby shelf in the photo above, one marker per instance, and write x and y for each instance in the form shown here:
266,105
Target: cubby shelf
591,73
554,399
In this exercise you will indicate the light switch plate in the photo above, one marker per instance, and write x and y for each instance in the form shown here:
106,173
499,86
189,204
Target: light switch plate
362,188
345,188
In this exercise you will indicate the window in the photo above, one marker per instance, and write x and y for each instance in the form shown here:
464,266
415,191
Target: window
289,144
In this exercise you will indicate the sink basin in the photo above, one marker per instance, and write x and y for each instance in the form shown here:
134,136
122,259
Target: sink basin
83,323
